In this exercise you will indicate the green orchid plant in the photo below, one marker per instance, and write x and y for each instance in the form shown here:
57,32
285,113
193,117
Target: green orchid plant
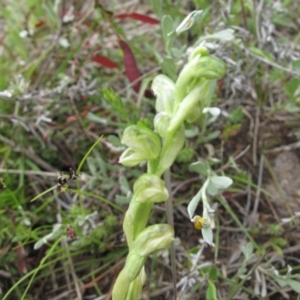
177,102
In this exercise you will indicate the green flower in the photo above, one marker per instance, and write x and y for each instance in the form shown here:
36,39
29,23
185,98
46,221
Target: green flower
150,188
207,67
153,238
161,123
143,145
163,87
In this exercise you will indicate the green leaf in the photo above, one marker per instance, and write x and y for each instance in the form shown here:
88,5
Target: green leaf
51,236
91,165
292,86
295,285
261,53
112,98
279,241
296,65
201,167
237,115
220,182
194,203
38,244
207,235
213,273
157,8
186,155
211,292
95,118
223,35
192,132
292,108
115,141
211,136
167,26
277,249
124,185
122,200
248,250
169,34
169,67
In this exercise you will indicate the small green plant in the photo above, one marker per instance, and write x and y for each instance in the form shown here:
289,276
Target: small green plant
177,102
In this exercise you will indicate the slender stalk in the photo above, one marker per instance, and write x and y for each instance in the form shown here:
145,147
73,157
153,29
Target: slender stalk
170,219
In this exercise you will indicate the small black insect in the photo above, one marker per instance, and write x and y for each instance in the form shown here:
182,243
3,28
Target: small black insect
64,177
